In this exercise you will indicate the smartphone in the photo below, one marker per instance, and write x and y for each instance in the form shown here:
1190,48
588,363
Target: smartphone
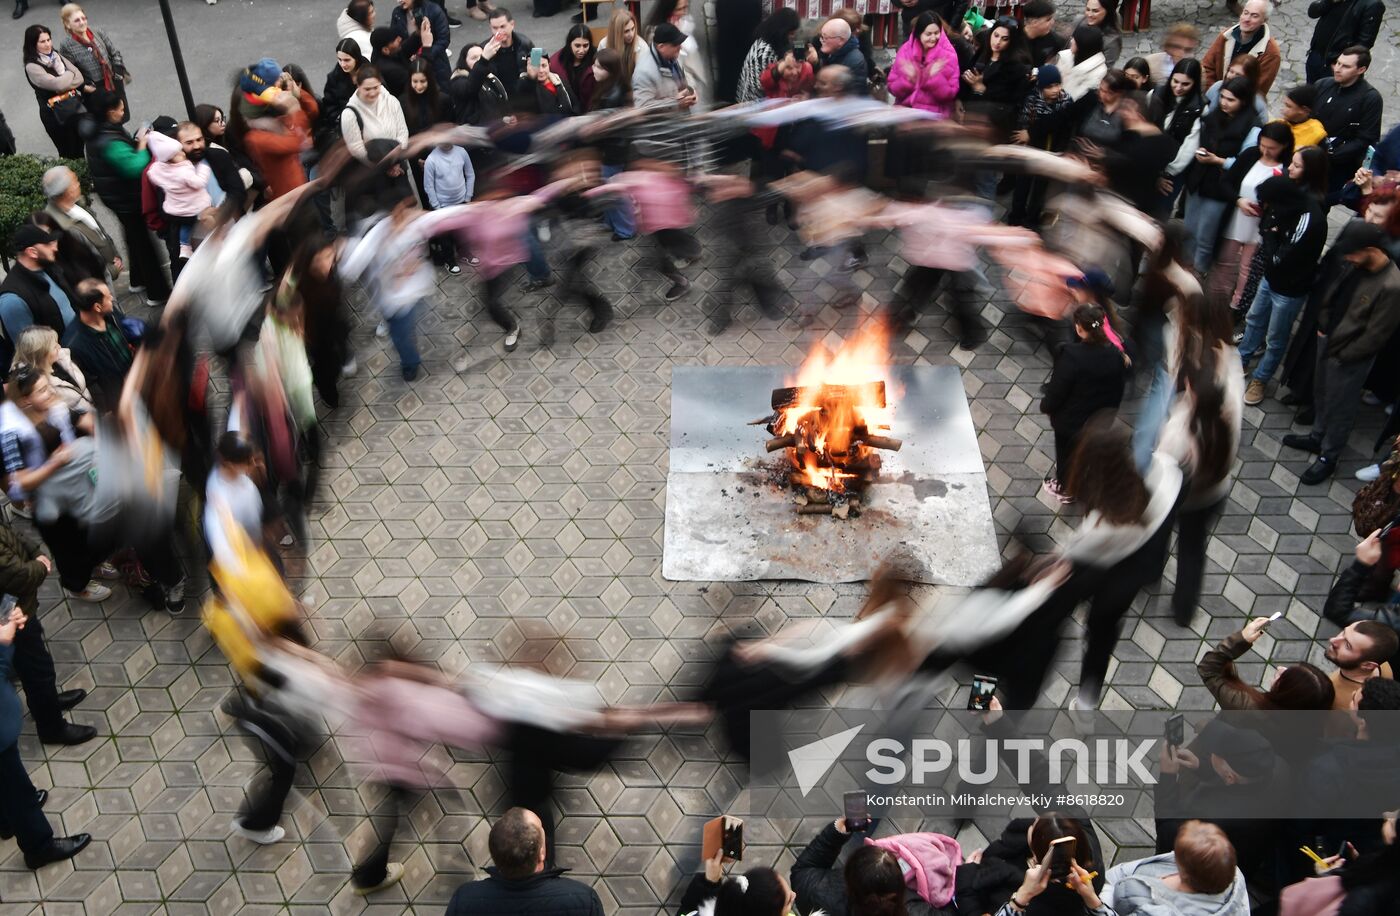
536,57
1061,855
1176,730
857,811
1380,535
1272,617
718,836
983,686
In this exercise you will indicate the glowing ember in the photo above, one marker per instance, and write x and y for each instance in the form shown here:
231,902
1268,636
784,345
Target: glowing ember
832,420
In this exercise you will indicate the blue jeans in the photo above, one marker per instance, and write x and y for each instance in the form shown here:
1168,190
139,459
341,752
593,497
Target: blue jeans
538,265
1156,405
619,217
1202,222
1268,325
401,333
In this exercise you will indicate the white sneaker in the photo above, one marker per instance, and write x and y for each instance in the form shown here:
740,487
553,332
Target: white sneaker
1369,473
94,593
461,363
350,368
512,338
382,329
261,837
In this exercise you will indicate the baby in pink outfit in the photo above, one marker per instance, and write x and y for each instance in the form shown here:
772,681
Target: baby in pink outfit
185,185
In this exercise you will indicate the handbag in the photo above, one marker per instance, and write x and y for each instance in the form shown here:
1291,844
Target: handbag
66,108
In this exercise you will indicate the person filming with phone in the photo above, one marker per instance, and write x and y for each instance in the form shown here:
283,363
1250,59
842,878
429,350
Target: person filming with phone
1300,686
759,891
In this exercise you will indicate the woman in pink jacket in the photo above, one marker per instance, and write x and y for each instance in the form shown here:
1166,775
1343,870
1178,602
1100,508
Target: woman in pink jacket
925,71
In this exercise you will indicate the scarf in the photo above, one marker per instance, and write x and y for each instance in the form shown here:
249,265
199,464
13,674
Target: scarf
53,63
89,41
672,67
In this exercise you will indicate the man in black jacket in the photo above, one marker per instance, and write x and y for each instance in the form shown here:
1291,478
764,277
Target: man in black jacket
389,59
840,48
1340,24
98,346
33,291
507,50
1360,312
519,882
1350,108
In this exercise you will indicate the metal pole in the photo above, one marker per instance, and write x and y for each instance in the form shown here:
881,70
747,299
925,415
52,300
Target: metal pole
180,73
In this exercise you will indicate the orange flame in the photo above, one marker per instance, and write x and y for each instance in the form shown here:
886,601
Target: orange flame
836,400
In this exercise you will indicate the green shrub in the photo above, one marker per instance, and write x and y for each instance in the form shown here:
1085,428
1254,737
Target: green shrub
22,189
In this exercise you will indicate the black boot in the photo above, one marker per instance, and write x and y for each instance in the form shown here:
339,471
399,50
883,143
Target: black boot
21,7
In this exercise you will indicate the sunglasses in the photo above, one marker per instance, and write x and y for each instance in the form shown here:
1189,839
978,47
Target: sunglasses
1007,22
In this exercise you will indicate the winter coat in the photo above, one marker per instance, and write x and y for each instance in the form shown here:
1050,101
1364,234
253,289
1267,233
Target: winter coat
405,24
850,56
1371,317
1047,124
580,84
1340,25
1080,79
1137,888
913,84
1222,51
761,56
1292,231
87,61
478,95
115,164
1225,137
340,86
821,886
984,886
1352,116
545,892
931,859
512,61
1087,378
184,184
345,27
99,240
277,155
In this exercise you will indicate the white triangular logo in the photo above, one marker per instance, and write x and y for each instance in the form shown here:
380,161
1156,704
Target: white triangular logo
810,762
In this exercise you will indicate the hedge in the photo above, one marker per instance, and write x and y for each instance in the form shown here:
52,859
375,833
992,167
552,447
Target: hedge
22,189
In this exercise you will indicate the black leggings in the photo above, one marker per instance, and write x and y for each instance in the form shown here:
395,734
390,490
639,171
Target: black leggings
1193,530
491,290
536,754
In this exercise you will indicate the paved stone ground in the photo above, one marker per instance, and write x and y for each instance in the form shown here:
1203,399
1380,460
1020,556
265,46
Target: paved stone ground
514,513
